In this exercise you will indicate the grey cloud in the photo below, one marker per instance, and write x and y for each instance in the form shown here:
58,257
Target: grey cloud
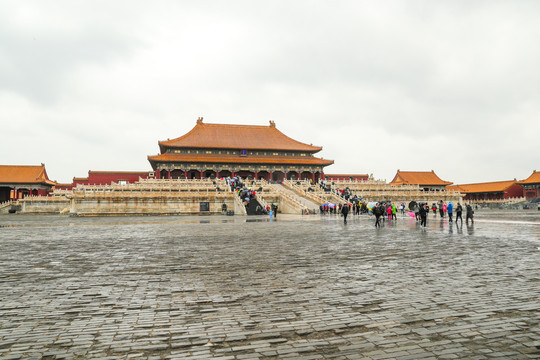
406,76
37,62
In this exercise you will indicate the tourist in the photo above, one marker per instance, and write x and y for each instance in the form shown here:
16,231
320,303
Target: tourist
389,211
394,212
444,209
377,211
459,209
345,212
434,208
274,209
469,215
423,214
441,209
450,209
402,208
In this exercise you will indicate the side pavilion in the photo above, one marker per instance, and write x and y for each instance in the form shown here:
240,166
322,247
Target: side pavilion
18,181
495,190
220,150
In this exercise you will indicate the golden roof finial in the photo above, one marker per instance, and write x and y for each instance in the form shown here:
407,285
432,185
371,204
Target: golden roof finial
200,120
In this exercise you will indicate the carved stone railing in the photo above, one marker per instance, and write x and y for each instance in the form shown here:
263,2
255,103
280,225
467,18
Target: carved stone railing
159,185
239,205
261,201
6,204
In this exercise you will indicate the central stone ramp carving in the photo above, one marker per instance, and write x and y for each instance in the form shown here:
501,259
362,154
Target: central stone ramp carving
311,205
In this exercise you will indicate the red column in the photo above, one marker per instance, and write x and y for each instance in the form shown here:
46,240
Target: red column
158,173
169,174
271,177
313,176
202,174
256,172
232,173
185,173
322,175
217,174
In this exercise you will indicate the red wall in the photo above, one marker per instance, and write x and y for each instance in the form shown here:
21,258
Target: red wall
80,181
106,178
346,177
514,191
530,193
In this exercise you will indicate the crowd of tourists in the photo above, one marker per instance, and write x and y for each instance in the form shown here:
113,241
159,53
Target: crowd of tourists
246,194
445,210
386,210
355,205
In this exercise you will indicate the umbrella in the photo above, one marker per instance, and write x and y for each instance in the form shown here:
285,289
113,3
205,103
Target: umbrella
371,204
411,214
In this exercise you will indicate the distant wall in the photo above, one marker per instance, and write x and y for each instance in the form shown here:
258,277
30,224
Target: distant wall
106,178
150,204
44,205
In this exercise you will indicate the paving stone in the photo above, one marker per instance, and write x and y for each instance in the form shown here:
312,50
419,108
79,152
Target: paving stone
299,289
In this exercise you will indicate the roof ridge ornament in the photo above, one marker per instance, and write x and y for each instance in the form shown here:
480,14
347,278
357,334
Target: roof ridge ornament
272,124
200,120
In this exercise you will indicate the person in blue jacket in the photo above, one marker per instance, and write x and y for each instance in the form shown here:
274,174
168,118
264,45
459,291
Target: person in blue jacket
450,210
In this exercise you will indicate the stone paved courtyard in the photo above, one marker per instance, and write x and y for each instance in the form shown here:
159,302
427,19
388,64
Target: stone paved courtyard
297,288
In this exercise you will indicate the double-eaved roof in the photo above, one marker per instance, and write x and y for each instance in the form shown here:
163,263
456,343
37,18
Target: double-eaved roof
418,178
24,174
533,179
237,137
248,137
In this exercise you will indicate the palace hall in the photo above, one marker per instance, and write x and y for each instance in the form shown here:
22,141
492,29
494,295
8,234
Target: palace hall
220,150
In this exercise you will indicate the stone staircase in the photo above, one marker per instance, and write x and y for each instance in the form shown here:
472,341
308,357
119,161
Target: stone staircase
251,208
9,206
313,193
310,204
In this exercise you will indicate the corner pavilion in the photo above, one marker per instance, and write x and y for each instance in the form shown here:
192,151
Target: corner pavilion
426,180
219,150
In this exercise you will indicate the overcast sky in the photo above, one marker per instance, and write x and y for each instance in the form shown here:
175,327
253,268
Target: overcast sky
382,85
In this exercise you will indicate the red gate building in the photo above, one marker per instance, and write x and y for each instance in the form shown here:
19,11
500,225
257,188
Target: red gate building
531,185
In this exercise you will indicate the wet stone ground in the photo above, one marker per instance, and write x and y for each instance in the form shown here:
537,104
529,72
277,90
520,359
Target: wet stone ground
296,288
